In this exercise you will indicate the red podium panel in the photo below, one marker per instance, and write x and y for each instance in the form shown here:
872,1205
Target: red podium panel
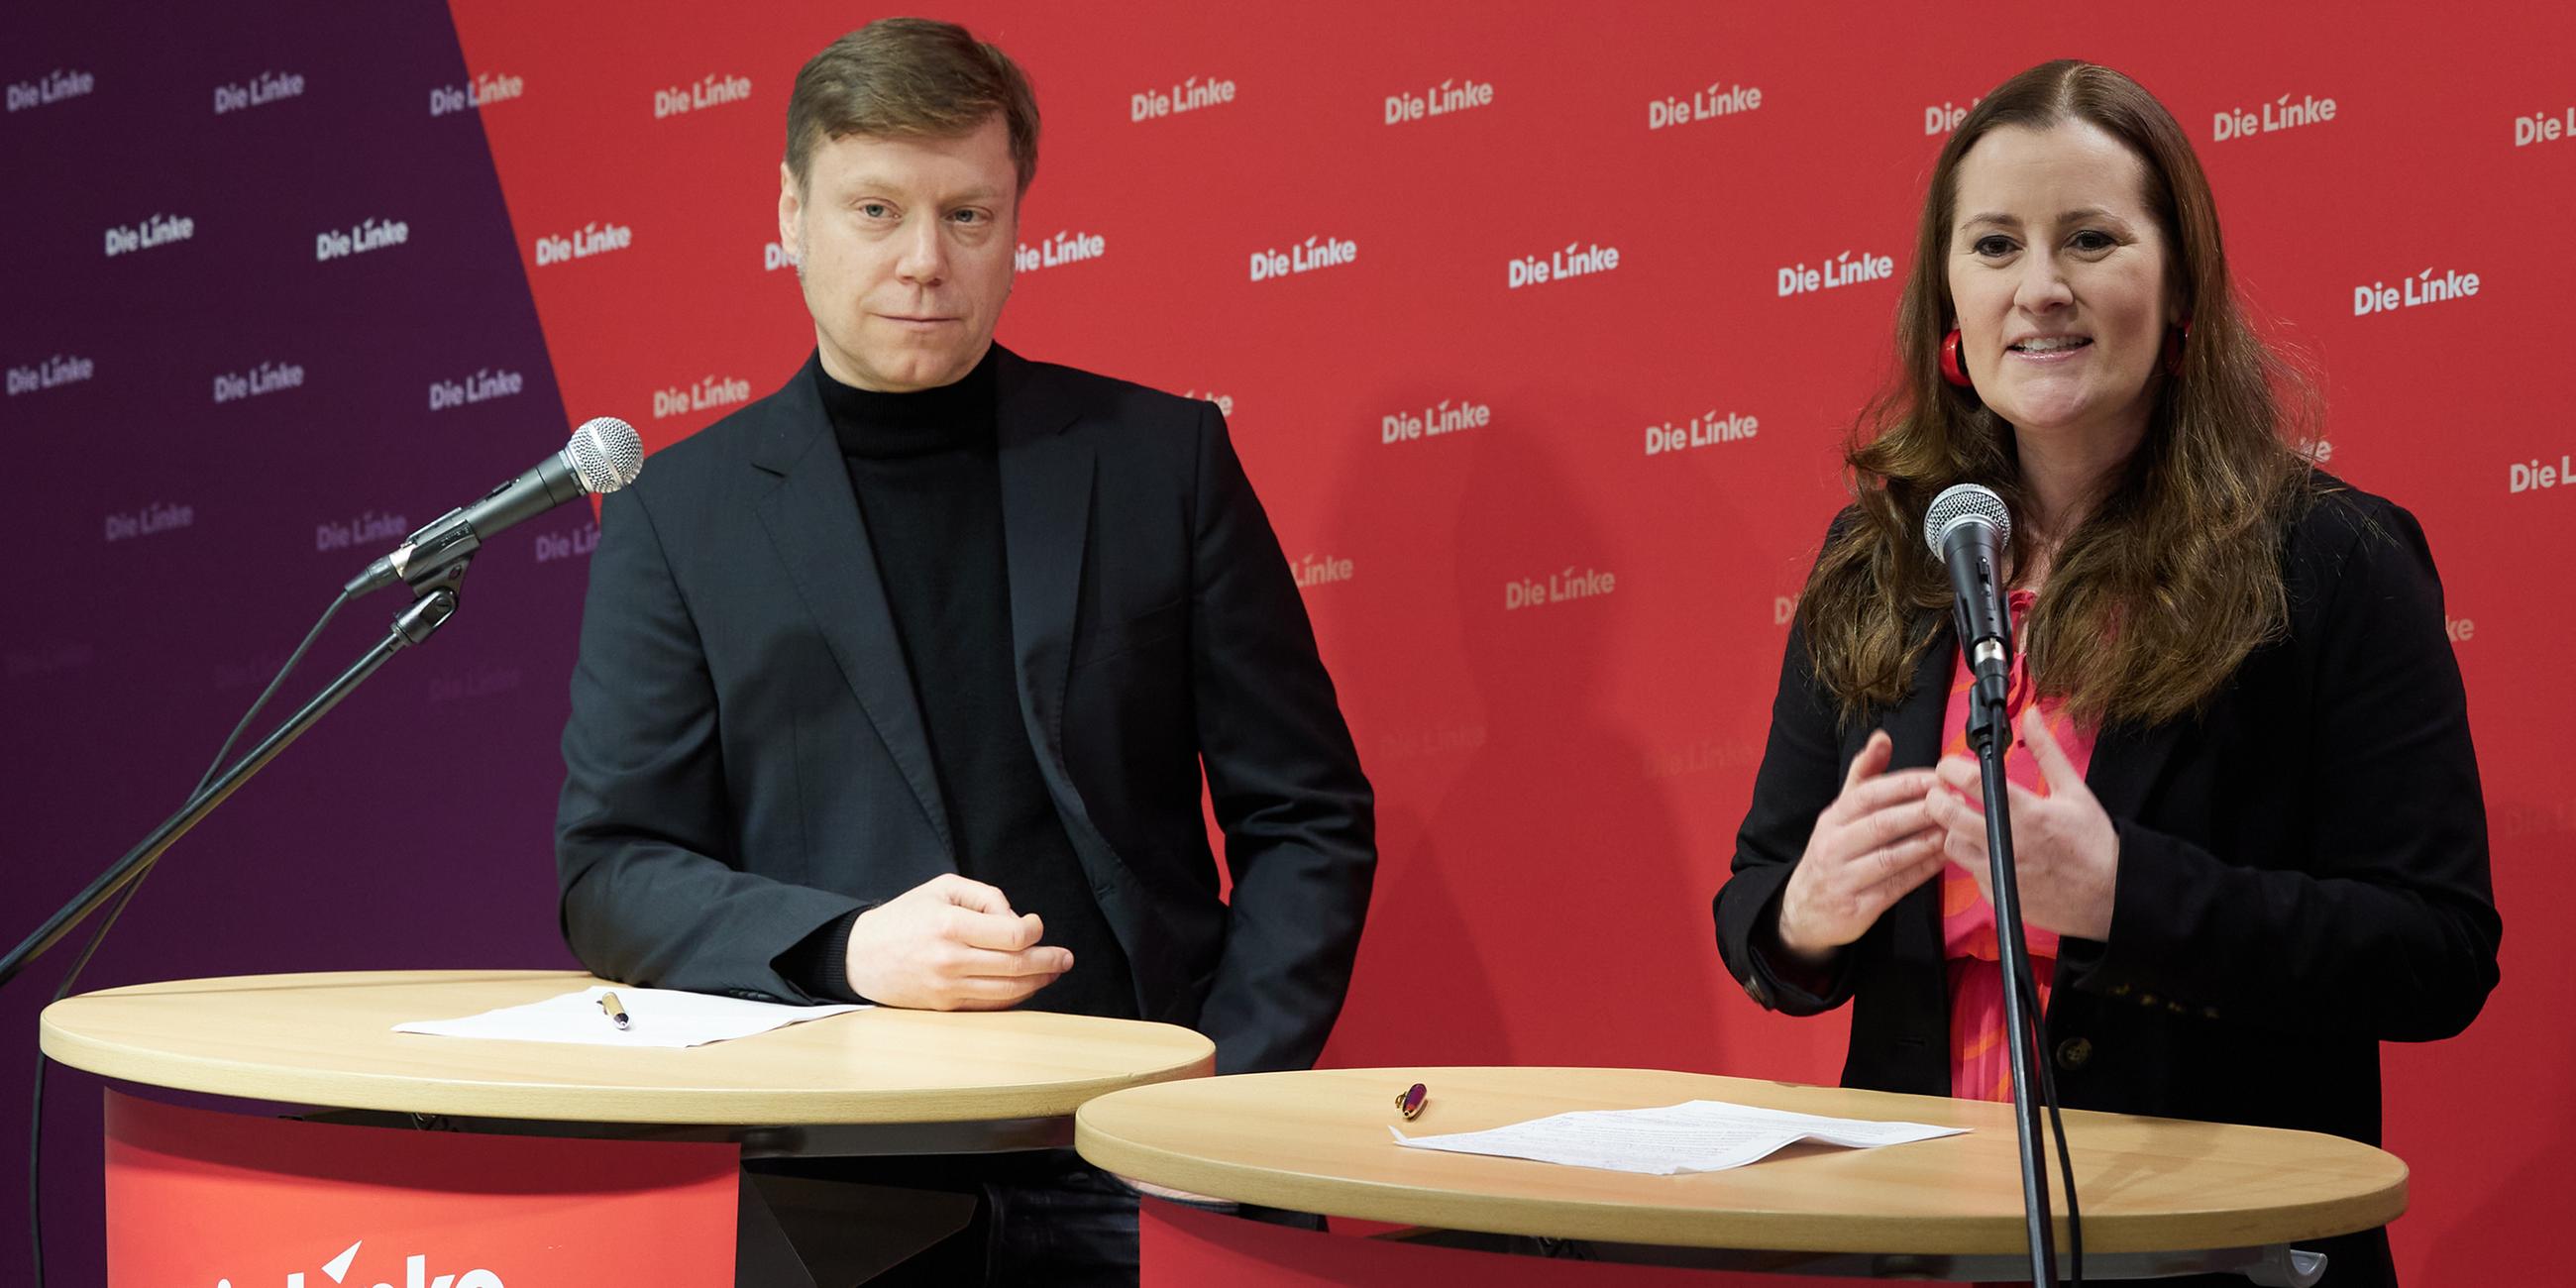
203,1198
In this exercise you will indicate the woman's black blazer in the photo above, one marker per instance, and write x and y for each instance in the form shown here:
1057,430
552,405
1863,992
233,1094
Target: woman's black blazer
2302,869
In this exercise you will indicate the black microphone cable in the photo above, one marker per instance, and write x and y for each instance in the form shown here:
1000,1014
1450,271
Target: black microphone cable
36,1119
2057,1126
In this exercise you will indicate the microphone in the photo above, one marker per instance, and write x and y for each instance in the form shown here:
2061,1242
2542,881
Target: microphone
603,456
1968,528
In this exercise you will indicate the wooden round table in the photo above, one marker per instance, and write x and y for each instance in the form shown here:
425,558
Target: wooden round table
328,1039
879,1082
2157,1194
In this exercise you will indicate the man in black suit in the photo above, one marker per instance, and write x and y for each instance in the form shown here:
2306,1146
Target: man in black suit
897,685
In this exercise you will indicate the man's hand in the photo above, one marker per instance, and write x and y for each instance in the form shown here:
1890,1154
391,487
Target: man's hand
950,944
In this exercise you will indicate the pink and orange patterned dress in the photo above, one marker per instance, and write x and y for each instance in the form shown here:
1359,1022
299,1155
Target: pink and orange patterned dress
1979,1067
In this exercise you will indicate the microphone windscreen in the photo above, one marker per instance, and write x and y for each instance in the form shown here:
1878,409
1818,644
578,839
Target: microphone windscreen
605,454
1965,503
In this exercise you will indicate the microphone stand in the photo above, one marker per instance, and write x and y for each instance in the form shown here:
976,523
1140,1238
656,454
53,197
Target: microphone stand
1990,732
435,603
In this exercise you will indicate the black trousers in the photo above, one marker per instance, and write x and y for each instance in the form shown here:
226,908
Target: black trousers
1041,1217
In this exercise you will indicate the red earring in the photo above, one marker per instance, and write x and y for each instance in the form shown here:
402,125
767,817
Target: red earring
1953,368
2176,339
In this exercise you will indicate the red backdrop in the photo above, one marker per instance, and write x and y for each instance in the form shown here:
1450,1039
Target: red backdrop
1560,782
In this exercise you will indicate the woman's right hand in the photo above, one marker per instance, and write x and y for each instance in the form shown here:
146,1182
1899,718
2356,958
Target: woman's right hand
1871,847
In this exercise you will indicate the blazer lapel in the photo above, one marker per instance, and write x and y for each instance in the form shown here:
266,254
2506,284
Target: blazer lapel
813,520
1916,728
2127,761
1046,526
1914,725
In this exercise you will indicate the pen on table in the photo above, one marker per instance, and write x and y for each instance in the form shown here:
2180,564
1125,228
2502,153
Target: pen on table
615,1010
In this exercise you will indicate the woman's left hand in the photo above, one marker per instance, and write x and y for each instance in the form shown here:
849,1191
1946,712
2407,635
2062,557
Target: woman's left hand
2066,857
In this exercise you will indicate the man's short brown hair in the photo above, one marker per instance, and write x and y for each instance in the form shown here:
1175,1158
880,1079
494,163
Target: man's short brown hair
909,78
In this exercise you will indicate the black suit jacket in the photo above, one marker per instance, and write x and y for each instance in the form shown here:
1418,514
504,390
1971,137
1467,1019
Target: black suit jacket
2303,868
746,762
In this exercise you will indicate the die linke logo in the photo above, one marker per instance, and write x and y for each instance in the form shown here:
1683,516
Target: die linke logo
711,91
775,256
52,87
158,230
1945,117
484,385
1224,402
1315,253
481,682
567,545
160,516
368,529
2538,477
1448,98
1708,429
710,391
1560,265
482,92
1190,95
415,1274
1066,247
588,240
2412,292
2544,127
1702,105
51,373
1840,271
2270,118
1557,588
1448,416
1703,756
1311,571
266,378
267,87
359,238
47,659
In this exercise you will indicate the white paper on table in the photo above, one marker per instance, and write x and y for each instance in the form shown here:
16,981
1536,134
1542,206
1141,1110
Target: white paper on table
1694,1136
656,1017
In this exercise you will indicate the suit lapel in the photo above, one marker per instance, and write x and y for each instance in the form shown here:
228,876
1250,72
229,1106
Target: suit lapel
1048,481
813,520
1046,526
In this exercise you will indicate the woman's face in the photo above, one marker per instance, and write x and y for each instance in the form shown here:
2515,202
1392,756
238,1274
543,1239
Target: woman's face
2059,275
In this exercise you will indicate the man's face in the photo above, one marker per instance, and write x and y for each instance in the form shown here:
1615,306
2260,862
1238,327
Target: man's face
904,247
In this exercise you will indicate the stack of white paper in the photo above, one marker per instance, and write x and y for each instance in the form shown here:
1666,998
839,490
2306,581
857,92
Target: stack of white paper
656,1017
1695,1136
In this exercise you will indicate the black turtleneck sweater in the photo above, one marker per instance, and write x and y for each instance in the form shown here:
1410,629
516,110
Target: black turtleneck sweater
924,467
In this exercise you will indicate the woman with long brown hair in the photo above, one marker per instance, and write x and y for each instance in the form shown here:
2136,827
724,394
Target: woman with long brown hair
2246,813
